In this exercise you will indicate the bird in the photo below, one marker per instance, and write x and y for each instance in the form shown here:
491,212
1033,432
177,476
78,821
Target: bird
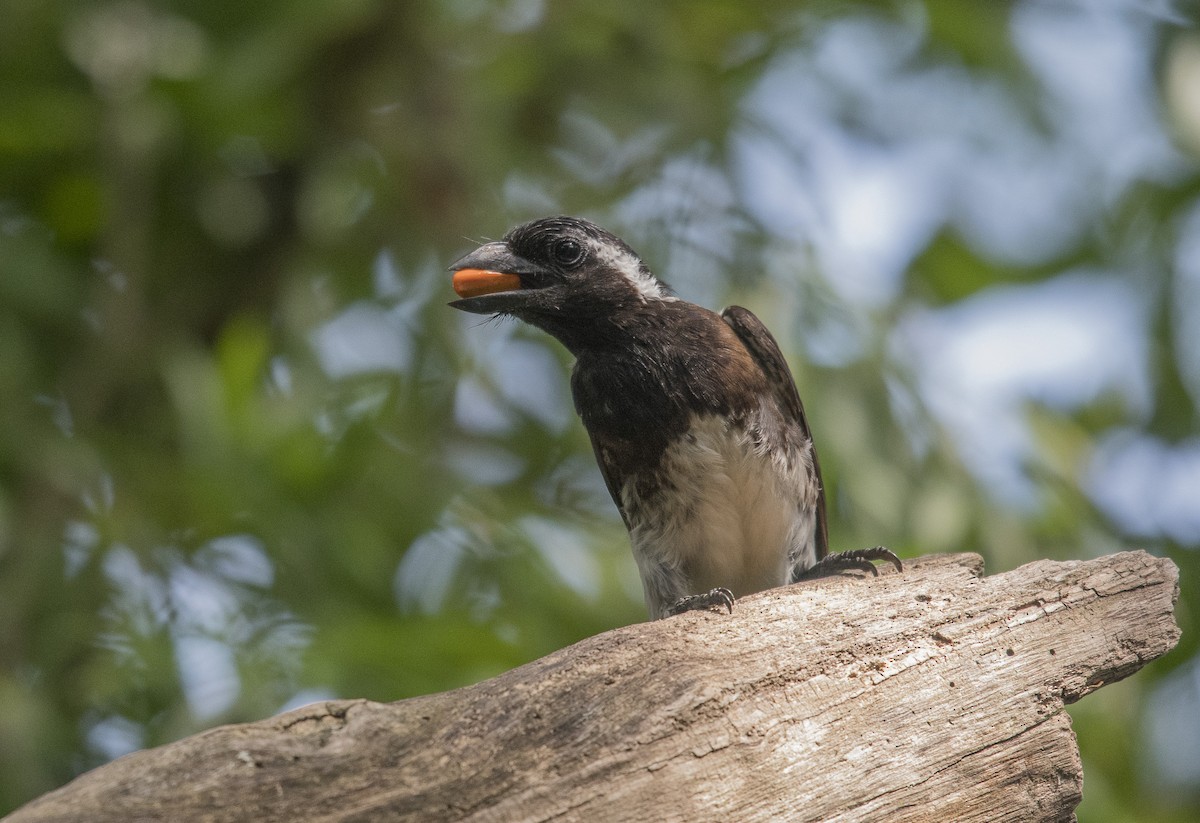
693,416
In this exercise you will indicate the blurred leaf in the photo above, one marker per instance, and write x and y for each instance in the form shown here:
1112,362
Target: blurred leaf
223,233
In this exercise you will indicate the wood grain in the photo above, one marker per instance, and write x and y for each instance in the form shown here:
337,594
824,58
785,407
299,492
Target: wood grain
936,694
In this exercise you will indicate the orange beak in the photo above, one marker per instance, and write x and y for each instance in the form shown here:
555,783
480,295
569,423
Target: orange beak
475,282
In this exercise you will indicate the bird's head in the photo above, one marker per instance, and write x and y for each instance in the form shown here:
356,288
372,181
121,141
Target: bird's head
562,274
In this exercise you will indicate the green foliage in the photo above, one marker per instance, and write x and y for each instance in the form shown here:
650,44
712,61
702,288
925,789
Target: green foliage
248,457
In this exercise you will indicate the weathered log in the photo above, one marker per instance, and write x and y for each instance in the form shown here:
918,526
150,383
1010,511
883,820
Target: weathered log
929,695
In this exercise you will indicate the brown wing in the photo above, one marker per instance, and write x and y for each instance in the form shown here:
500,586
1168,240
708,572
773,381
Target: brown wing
765,351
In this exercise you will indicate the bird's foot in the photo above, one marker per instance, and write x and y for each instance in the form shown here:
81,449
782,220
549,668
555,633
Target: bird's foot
861,559
718,598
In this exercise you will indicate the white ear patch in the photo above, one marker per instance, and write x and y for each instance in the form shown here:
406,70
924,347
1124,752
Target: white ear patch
647,285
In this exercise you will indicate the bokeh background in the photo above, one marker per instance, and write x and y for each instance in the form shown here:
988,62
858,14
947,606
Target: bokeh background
249,459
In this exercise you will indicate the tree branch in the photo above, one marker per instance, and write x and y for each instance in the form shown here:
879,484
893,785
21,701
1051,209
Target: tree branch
929,695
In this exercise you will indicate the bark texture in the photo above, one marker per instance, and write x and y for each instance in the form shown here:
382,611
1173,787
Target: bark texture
935,694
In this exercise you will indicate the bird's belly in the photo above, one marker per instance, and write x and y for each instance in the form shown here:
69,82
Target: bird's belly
723,510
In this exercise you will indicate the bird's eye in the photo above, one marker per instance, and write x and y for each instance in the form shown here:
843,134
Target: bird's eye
567,252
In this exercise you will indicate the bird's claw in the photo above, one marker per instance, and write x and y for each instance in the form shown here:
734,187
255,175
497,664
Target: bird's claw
718,598
861,559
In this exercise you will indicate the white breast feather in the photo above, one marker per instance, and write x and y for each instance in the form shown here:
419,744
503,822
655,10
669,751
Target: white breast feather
732,515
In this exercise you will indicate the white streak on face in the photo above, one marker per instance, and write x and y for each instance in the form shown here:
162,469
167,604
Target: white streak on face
647,285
